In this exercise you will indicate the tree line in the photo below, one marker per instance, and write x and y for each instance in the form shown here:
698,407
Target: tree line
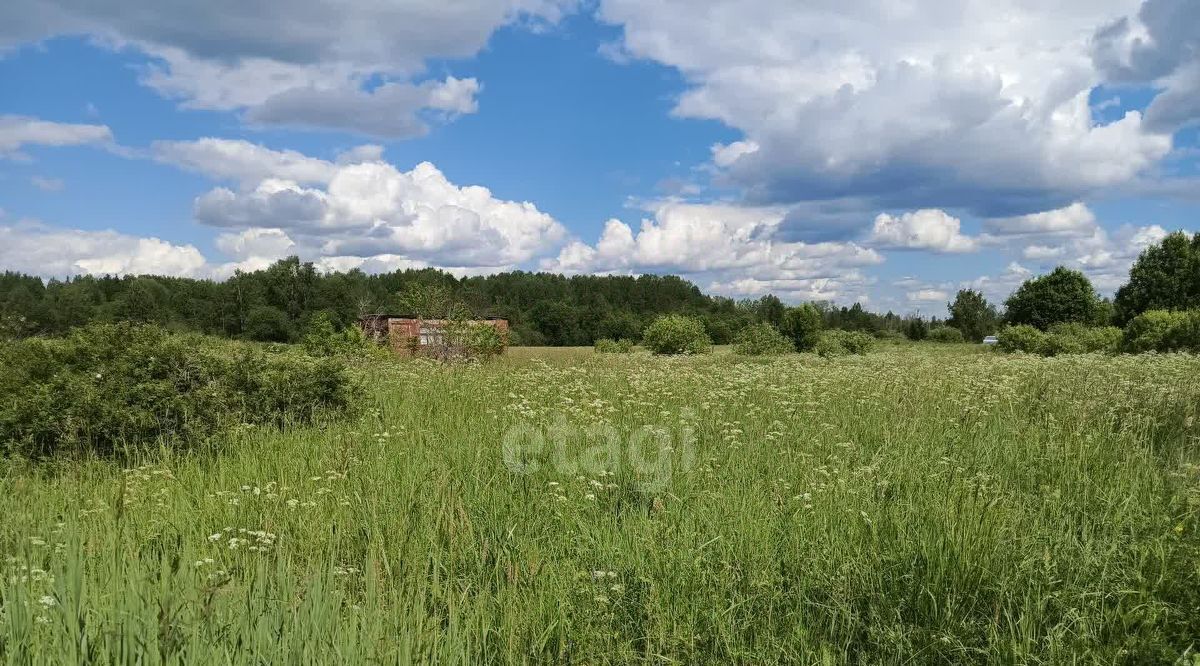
280,302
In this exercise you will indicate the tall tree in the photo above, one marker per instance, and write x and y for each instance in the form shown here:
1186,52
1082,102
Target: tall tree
802,324
1165,277
142,301
972,315
771,310
1062,296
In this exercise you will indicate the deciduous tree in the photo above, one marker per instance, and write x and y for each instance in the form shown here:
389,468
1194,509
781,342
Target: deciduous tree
1165,277
972,315
1064,295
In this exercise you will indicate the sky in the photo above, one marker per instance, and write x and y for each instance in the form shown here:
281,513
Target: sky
888,152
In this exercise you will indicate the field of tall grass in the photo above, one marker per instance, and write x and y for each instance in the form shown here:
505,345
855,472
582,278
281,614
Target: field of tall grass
920,504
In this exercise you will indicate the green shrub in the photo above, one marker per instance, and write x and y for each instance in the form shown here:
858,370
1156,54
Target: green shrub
470,340
13,326
945,334
1163,331
1105,338
840,343
267,324
1021,338
803,325
760,340
1063,338
1152,330
324,339
106,387
1067,338
1061,345
676,334
889,335
610,346
856,342
829,346
916,330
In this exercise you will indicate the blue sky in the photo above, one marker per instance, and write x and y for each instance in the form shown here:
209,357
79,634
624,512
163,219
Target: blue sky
888,152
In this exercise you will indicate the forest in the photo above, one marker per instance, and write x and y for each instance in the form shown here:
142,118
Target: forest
277,304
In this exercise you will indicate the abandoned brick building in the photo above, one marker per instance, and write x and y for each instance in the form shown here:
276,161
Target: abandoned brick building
408,333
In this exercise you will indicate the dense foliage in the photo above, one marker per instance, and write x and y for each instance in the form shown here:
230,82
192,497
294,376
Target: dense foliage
1076,338
1062,296
471,340
1165,276
281,302
1163,331
802,324
1070,338
286,300
835,343
972,315
610,346
1021,338
761,339
106,388
325,338
945,334
916,329
676,334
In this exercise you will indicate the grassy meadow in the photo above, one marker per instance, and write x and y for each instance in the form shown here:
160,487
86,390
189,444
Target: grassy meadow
921,504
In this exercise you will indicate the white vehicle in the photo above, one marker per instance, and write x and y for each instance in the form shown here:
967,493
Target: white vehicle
991,340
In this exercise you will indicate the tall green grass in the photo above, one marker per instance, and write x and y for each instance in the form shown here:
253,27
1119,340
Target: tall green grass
916,505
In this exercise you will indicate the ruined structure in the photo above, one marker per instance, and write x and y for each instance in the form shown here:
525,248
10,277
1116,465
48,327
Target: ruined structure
408,334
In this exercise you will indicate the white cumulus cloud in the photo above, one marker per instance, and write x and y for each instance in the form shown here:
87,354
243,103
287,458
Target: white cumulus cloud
253,249
926,229
1074,220
38,249
929,103
726,248
364,209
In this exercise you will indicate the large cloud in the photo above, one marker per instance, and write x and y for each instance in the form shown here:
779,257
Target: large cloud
1158,46
37,249
937,103
927,229
364,207
302,62
727,249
